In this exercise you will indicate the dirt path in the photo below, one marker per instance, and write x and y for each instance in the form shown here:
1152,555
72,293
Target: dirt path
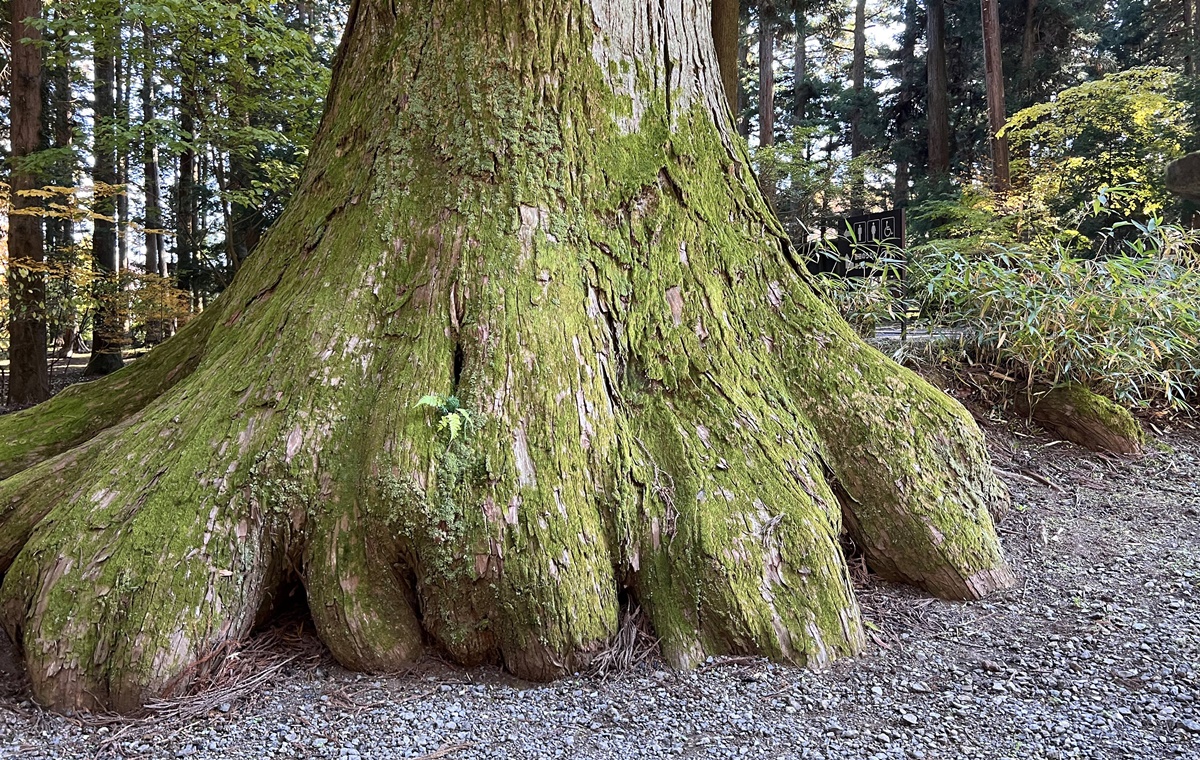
1095,655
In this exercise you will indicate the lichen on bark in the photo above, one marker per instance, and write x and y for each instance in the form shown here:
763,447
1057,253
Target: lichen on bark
554,222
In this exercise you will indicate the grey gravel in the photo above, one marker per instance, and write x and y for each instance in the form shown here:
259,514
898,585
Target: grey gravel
1096,655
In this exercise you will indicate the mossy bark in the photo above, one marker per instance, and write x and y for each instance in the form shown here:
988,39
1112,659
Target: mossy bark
540,208
1076,414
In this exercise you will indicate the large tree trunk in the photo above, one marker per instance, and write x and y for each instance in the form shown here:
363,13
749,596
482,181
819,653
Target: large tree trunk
28,375
108,330
554,224
938,90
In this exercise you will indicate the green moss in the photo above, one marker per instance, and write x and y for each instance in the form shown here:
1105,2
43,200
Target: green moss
1092,406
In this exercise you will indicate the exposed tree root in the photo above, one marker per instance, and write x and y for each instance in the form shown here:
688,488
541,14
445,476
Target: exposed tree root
82,411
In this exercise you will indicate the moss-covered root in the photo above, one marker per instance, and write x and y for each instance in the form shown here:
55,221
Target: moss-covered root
913,472
359,593
113,599
1075,414
81,411
27,497
734,544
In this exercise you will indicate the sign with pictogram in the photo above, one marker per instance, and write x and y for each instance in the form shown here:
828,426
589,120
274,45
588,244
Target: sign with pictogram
871,237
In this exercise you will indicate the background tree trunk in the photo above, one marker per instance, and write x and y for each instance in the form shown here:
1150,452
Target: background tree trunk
155,250
187,206
726,32
938,85
123,77
994,79
903,147
766,73
858,81
1189,37
800,63
108,329
1028,45
658,405
28,376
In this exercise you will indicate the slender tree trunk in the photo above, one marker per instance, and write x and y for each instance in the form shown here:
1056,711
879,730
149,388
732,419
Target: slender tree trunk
186,215
994,79
902,150
726,32
62,248
650,401
233,252
1189,37
28,375
800,63
244,218
155,251
938,90
766,73
109,323
1028,45
123,78
858,78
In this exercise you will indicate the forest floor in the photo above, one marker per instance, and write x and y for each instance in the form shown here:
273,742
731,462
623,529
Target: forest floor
1096,654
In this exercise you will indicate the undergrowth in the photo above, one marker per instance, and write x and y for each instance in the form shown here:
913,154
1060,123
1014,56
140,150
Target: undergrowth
1118,313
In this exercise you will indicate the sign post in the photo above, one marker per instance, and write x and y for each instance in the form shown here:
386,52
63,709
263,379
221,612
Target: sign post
871,237
866,240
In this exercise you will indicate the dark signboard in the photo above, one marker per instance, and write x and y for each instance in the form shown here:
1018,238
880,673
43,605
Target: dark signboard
871,237
861,241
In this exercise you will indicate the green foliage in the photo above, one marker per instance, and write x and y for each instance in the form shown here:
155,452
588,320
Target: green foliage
1116,312
808,185
1118,130
873,295
452,417
1125,326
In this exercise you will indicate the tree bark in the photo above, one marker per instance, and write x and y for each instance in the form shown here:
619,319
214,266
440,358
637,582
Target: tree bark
578,255
124,78
938,86
1076,414
1189,37
187,205
108,329
60,231
742,112
766,73
155,250
858,80
28,376
994,79
1028,42
902,148
726,32
800,63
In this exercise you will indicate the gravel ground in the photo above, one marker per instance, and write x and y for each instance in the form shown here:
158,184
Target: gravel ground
1096,655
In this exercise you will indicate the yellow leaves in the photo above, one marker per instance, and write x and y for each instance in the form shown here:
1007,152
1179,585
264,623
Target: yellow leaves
75,203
